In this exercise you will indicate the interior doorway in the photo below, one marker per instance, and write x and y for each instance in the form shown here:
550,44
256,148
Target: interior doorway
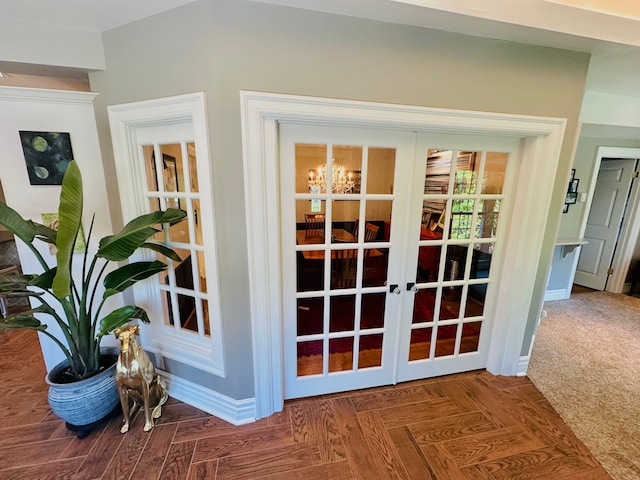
392,244
627,231
540,140
604,222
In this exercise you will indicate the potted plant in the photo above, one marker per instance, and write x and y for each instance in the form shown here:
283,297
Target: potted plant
79,312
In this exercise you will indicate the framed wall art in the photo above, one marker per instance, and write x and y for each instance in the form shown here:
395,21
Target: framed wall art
46,155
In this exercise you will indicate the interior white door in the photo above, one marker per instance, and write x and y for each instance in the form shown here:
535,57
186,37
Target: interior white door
604,221
460,206
391,245
343,204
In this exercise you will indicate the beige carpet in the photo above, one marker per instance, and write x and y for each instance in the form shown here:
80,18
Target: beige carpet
586,362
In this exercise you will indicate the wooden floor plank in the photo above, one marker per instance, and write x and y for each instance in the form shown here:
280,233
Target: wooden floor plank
267,462
127,455
387,459
153,456
100,456
178,460
412,457
56,470
450,428
491,445
360,457
442,464
326,471
239,443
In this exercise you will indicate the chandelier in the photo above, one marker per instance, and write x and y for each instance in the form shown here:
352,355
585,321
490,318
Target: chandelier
341,182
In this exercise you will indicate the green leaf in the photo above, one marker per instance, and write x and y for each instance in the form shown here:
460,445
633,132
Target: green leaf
14,282
119,317
16,286
163,250
69,218
44,233
45,280
121,246
127,275
12,221
21,321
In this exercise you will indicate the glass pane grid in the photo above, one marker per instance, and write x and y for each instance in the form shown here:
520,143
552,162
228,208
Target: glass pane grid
461,204
172,183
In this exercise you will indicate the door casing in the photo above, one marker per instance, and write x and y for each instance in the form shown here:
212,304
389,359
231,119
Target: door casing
261,113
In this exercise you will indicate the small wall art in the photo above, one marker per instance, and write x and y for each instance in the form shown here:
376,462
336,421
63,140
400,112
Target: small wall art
46,155
571,196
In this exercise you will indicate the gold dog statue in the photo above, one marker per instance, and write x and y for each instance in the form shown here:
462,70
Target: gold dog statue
138,383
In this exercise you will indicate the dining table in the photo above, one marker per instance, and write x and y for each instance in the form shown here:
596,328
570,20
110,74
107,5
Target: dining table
338,235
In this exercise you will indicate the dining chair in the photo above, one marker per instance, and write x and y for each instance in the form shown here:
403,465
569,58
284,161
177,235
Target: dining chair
371,232
356,226
314,224
344,268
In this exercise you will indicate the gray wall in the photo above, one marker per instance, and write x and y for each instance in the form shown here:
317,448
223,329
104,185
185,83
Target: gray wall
223,46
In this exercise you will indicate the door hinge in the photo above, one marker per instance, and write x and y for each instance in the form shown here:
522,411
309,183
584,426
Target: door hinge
635,174
610,271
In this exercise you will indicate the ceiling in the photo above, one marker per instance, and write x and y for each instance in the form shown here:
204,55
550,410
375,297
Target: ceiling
92,15
611,36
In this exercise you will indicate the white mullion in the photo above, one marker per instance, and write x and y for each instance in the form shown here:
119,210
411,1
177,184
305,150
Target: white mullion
186,170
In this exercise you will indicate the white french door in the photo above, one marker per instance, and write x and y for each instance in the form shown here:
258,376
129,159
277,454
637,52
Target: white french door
391,244
339,329
455,237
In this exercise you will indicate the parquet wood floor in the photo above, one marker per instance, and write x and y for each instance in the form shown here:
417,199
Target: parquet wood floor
466,426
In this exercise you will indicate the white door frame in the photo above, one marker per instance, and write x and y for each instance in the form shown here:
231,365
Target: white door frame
261,113
630,222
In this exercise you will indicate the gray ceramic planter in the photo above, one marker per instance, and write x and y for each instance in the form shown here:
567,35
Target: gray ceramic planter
87,401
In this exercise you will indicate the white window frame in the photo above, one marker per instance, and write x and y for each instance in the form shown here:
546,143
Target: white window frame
261,113
126,120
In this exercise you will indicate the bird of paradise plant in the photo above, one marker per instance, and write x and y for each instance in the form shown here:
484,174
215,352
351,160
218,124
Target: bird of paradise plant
81,317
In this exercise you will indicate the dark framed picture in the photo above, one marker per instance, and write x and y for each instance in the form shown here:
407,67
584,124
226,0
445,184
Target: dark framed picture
46,155
571,198
573,185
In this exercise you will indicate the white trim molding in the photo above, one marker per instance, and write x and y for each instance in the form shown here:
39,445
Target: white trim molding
45,95
237,412
261,114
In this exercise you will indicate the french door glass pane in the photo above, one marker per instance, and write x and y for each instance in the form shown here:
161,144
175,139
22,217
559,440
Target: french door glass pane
494,172
370,351
381,170
334,212
340,354
446,340
310,316
342,313
470,337
461,207
420,344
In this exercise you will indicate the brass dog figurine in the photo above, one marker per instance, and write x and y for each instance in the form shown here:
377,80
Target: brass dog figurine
138,383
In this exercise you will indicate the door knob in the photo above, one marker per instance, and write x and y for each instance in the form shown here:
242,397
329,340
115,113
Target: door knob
395,289
411,287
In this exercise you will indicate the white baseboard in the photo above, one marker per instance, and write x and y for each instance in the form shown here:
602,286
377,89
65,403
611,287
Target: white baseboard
559,294
523,365
237,412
